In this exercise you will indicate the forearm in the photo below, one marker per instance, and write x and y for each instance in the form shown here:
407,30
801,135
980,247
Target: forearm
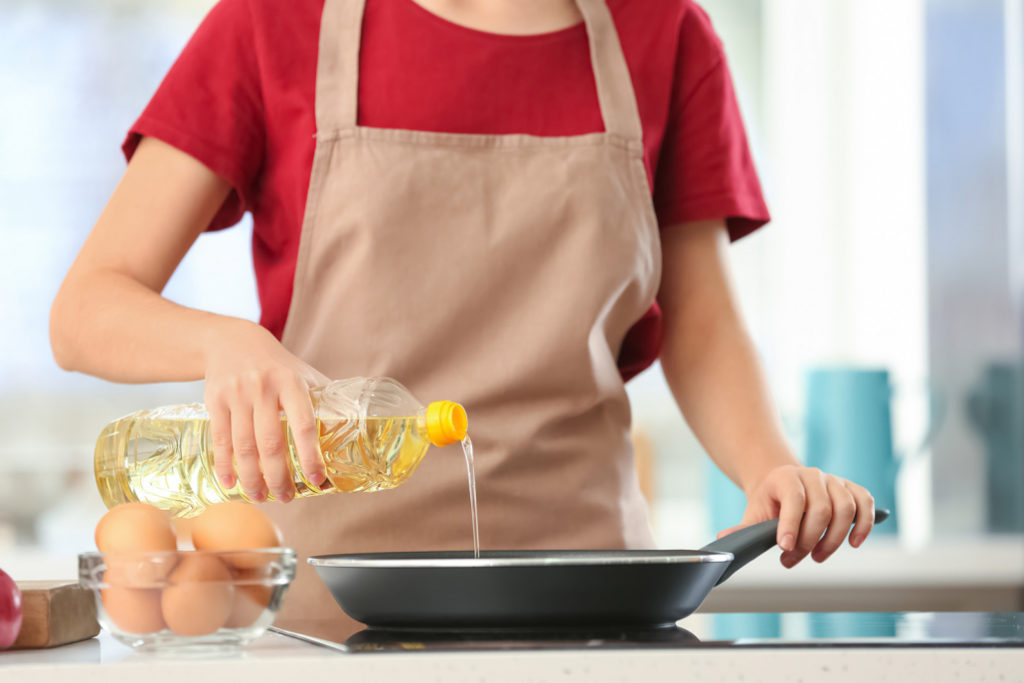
712,367
709,360
108,318
104,323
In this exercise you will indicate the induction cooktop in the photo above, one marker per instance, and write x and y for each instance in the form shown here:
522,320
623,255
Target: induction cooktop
762,630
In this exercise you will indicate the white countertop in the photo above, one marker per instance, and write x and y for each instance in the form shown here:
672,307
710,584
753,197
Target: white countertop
277,658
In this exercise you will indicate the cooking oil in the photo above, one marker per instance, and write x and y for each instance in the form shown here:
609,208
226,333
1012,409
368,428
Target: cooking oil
372,436
167,461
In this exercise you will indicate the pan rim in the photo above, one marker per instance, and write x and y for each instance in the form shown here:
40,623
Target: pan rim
375,560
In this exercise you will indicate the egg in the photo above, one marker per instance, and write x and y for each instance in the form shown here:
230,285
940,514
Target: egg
135,527
199,597
135,610
138,539
250,599
235,526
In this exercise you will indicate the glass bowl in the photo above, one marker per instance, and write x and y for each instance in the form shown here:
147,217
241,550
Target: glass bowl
187,599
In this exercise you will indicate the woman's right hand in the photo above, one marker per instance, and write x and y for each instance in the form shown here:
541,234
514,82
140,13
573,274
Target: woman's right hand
250,379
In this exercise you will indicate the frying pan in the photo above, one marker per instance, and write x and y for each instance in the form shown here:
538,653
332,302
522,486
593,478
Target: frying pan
514,589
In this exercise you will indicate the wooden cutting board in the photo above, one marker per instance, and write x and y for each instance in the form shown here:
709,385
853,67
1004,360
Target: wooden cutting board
55,613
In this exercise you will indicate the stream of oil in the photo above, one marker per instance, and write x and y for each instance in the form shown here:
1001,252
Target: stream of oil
467,449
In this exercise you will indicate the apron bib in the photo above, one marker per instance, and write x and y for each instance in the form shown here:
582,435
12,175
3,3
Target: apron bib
499,271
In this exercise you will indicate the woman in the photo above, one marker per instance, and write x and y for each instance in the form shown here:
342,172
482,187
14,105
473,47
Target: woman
514,205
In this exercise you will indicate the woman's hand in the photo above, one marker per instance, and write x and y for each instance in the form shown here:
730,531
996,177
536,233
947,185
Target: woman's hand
815,511
109,320
250,379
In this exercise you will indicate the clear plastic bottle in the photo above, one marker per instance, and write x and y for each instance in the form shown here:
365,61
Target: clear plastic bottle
373,434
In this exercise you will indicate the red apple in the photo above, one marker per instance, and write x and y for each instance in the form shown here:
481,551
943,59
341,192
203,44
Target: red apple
10,611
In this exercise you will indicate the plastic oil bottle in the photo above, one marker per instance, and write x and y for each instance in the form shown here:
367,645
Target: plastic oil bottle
373,434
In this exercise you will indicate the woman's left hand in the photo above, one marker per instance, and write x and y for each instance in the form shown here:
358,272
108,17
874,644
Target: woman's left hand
815,511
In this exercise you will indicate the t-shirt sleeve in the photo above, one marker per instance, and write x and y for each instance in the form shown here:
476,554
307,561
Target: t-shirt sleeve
209,106
705,168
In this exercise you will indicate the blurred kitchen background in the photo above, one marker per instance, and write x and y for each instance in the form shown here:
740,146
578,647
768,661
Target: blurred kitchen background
886,298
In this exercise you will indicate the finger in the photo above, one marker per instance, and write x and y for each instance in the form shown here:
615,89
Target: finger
304,431
220,438
247,457
865,514
792,497
817,514
844,510
270,443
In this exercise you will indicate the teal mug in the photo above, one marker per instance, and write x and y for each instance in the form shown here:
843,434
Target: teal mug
848,430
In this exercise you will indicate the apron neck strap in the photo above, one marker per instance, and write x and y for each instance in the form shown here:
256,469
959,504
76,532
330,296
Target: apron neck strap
611,74
337,70
337,79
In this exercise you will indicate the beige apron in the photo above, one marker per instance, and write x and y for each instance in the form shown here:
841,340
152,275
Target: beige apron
499,271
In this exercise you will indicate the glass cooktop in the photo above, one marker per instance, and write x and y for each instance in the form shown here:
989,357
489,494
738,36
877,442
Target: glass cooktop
767,630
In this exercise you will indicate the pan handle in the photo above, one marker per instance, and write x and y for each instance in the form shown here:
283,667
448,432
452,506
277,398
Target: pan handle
749,542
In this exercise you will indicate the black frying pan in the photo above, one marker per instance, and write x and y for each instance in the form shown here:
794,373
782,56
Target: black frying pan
510,589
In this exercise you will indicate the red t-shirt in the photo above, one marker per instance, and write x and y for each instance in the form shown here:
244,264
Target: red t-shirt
240,99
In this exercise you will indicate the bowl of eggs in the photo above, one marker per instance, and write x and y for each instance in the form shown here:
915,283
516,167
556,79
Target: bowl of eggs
152,595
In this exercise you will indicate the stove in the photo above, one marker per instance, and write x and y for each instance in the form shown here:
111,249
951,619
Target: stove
755,630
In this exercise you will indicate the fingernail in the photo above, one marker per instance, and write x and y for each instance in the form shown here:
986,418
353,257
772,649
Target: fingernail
787,562
855,541
285,496
260,496
788,542
318,478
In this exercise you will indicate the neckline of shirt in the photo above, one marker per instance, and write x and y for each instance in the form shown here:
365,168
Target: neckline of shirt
479,34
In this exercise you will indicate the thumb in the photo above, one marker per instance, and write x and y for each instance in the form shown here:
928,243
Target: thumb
749,517
726,532
757,510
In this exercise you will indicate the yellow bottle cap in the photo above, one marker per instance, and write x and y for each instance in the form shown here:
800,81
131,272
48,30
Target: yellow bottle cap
446,423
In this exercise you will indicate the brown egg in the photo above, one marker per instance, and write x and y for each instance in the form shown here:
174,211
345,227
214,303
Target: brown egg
199,596
235,526
137,538
250,600
135,610
134,527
